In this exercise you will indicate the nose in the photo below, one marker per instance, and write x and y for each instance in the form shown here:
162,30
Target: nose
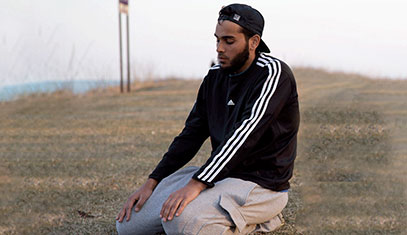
219,47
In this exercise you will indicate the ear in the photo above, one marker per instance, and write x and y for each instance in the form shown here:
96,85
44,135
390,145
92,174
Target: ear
254,42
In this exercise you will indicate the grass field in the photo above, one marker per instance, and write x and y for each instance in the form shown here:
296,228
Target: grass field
68,162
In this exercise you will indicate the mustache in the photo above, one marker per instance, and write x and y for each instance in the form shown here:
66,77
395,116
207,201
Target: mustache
221,56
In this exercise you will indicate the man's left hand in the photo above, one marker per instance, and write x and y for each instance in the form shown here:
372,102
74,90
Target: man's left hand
178,200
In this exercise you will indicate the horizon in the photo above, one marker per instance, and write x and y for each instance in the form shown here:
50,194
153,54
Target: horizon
14,91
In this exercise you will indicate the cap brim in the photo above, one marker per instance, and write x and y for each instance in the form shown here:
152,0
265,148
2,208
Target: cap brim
263,47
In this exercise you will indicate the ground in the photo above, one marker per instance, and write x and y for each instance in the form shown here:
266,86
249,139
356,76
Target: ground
68,162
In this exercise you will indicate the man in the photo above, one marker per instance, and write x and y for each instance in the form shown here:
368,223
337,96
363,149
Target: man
248,107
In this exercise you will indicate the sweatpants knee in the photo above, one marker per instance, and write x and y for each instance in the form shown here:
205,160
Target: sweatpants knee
123,228
127,228
180,224
175,226
194,225
137,226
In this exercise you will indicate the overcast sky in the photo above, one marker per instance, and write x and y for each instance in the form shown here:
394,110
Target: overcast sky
78,39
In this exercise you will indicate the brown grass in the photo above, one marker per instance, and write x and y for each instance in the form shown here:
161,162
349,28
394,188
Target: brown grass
62,153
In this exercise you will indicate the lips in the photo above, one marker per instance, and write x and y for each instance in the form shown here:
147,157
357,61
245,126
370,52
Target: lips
222,59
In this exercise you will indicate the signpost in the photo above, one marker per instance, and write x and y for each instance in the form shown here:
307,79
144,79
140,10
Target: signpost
124,9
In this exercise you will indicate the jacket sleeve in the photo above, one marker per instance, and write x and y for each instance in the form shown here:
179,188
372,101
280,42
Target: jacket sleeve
264,104
188,142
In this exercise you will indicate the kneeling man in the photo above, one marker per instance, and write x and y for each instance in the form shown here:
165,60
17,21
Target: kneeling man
248,106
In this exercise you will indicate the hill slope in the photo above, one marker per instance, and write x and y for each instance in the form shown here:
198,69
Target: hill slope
68,162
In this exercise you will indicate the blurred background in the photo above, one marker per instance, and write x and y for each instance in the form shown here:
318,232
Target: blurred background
70,155
45,42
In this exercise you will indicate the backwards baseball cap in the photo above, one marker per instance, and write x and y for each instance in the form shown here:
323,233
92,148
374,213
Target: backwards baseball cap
248,18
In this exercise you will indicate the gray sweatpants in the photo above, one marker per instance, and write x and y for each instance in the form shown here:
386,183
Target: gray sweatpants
233,206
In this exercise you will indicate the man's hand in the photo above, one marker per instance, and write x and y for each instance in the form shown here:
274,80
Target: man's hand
178,200
140,196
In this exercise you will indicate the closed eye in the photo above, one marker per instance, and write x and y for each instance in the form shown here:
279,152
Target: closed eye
228,39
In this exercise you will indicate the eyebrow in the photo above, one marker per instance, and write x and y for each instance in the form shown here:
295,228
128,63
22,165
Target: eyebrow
225,37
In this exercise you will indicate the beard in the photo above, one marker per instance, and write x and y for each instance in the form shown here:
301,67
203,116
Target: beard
238,62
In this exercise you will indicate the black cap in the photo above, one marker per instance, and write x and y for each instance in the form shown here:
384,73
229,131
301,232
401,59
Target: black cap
248,18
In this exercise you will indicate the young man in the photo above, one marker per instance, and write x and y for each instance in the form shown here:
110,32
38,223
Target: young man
248,107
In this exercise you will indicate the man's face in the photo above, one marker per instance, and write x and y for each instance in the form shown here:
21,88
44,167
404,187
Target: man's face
232,46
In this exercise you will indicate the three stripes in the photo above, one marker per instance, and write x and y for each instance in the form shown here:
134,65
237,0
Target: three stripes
240,135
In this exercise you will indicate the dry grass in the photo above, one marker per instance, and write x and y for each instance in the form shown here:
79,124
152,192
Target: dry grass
61,153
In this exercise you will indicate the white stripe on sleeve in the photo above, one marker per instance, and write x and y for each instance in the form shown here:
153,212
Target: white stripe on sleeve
241,134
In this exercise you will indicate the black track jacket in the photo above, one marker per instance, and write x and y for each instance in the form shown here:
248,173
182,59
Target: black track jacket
252,120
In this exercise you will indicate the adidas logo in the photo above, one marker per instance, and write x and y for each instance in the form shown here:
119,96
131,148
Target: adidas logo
231,102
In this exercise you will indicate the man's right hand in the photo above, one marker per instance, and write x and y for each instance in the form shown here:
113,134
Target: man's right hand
139,197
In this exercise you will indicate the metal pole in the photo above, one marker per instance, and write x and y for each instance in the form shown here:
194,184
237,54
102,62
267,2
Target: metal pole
121,48
128,54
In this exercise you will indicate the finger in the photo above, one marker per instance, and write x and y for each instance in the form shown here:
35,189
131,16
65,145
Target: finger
162,209
174,208
181,207
165,208
122,214
118,215
128,210
128,213
130,205
140,204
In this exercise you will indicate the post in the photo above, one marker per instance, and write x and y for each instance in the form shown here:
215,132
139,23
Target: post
120,48
123,8
128,54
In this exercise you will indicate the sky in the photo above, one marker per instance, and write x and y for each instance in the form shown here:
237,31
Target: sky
48,40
